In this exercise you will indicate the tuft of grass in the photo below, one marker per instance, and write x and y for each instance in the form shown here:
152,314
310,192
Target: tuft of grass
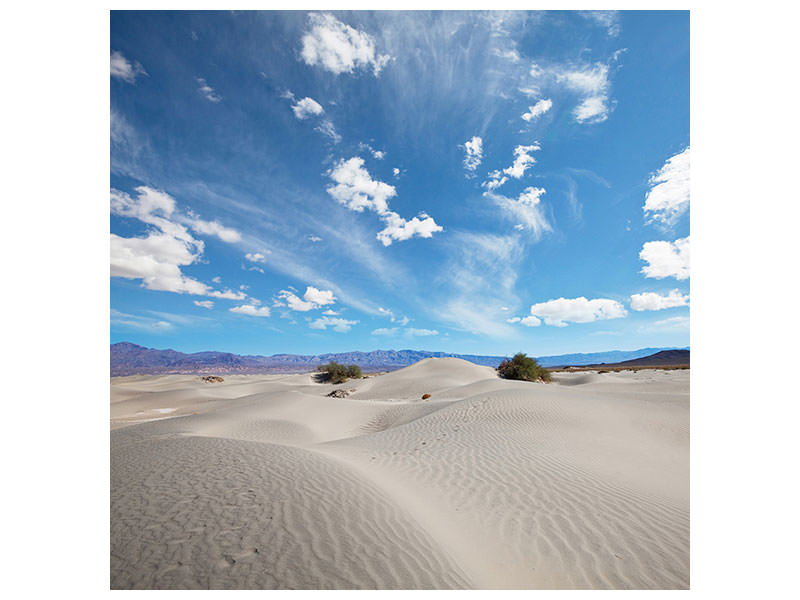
523,368
333,372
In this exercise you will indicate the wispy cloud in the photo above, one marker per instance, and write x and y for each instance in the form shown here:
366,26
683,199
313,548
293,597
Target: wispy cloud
406,332
477,277
605,18
125,320
326,128
526,210
207,91
122,68
593,84
250,310
671,324
335,323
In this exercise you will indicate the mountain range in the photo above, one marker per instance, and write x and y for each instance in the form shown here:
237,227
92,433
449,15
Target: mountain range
132,359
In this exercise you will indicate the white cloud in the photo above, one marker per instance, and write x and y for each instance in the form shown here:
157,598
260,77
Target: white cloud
538,109
576,310
666,259
592,83
474,150
312,299
122,68
204,303
158,208
207,91
256,257
319,297
522,160
397,228
496,179
526,209
314,238
668,198
156,258
295,303
653,301
227,294
338,47
330,312
355,189
250,310
513,320
307,107
531,321
395,171
340,325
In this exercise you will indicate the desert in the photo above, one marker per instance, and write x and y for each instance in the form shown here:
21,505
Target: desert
267,482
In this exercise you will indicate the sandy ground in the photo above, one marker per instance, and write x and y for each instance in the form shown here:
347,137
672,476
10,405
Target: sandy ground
264,482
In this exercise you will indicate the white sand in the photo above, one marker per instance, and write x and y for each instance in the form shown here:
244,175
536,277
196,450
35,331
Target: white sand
263,482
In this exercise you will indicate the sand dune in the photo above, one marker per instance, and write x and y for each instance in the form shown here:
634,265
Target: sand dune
264,482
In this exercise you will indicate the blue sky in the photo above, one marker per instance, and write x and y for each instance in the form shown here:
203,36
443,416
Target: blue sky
476,182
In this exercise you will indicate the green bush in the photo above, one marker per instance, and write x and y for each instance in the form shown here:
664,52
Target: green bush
524,368
333,372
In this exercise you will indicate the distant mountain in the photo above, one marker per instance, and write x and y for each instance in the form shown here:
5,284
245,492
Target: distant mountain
663,358
596,358
131,359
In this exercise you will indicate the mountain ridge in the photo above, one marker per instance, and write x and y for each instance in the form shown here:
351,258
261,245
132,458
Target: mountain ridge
132,359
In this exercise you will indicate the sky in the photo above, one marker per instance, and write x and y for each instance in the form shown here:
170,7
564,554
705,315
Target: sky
469,182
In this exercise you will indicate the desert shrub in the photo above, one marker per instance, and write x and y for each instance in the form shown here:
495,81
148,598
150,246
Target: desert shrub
333,372
524,368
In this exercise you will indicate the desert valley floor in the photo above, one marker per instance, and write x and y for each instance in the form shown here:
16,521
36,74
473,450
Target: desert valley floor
262,481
